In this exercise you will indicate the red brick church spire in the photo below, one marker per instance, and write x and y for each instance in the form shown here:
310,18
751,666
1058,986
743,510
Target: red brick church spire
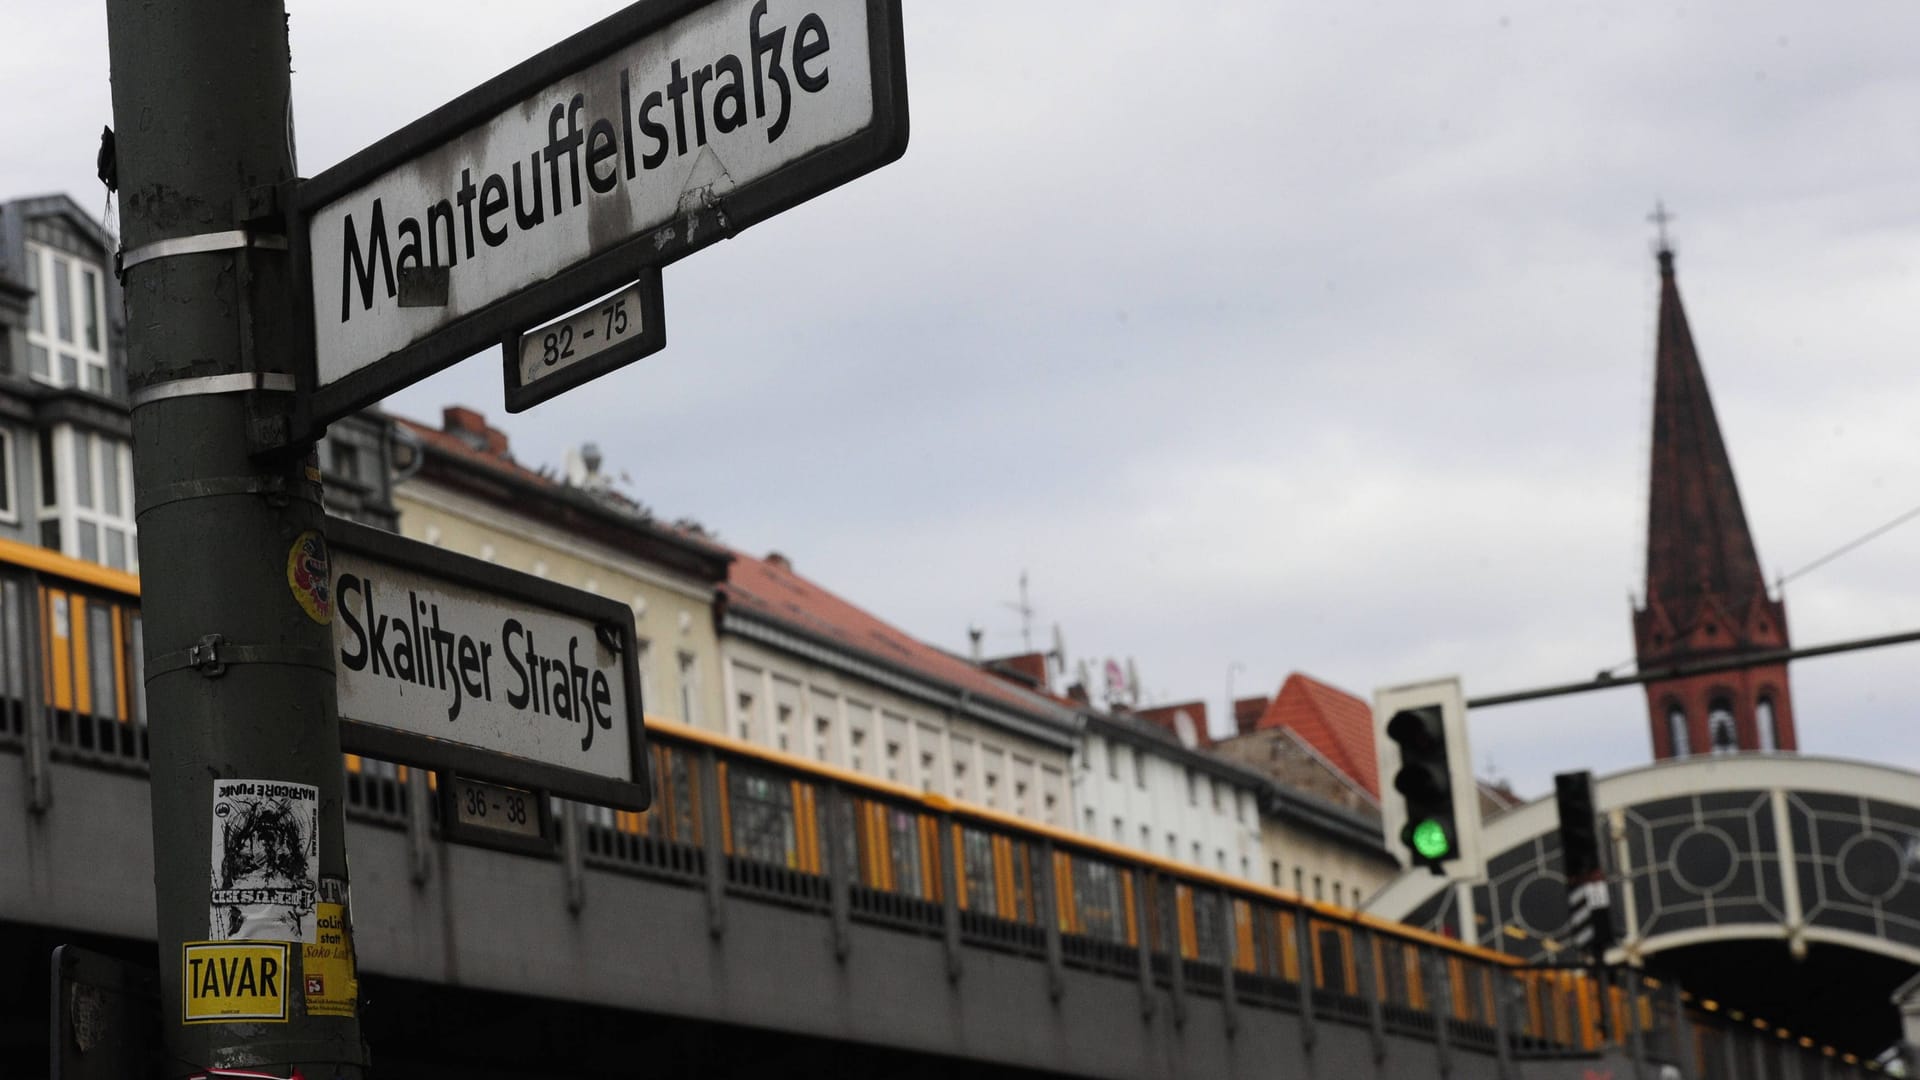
1705,595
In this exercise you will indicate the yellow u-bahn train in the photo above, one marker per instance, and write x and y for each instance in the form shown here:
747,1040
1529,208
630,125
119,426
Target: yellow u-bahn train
784,826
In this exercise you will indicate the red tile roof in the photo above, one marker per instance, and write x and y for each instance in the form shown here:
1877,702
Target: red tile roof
1333,722
493,456
770,588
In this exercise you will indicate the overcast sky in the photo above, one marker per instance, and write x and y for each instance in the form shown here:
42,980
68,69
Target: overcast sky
1262,337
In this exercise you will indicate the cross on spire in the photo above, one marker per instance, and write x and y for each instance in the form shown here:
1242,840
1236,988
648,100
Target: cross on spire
1659,218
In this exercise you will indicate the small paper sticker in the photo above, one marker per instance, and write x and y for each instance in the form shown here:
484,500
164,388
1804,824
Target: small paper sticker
332,986
226,984
266,861
310,576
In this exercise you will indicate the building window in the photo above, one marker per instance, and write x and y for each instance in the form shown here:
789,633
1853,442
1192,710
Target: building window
346,462
893,760
9,510
1199,854
1319,893
1140,770
1276,873
1113,761
66,345
643,659
1214,785
1092,819
1720,728
1338,899
1766,724
689,689
782,725
822,737
1193,788
857,740
86,505
1119,831
1173,846
1677,736
743,717
1299,882
1246,869
1146,838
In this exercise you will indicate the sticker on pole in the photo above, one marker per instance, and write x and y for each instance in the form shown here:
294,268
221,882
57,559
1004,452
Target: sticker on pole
332,986
266,861
225,983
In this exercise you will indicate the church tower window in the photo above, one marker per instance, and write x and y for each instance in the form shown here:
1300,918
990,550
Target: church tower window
1678,740
1766,725
1720,727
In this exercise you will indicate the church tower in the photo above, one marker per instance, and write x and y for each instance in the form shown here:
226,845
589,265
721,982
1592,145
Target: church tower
1705,596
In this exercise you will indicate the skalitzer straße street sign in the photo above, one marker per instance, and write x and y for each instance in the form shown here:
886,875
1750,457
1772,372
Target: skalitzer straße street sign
452,663
663,128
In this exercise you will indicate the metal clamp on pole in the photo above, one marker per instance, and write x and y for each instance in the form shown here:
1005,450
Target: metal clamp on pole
235,383
211,656
196,244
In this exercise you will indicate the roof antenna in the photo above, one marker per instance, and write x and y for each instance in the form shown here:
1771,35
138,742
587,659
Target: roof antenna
1025,608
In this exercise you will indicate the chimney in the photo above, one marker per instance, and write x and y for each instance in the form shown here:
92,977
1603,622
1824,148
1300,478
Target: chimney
1247,712
470,427
779,562
1025,669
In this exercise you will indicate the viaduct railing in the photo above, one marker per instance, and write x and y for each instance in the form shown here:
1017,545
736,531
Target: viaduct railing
734,820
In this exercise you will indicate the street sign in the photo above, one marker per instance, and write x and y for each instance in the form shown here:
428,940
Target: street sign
451,663
495,815
585,345
663,128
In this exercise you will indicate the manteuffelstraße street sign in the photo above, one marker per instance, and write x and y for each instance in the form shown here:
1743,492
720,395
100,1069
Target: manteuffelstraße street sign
663,128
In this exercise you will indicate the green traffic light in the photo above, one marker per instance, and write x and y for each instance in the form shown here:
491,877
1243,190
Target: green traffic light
1430,840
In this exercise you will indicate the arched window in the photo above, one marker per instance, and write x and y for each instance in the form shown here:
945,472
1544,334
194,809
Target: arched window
1720,728
1767,724
1677,736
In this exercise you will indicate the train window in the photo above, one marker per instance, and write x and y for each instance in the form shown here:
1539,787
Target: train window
102,661
680,776
1207,926
762,816
1098,900
977,859
903,849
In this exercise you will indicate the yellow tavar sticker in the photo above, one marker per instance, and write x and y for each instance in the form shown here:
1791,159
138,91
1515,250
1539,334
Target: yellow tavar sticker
232,982
332,987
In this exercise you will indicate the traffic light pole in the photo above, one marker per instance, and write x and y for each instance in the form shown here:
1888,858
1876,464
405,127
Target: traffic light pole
248,826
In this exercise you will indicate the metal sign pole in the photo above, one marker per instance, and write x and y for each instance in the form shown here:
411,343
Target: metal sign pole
256,968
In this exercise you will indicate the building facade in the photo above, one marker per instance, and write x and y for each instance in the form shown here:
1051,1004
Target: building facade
808,673
1141,787
466,493
66,437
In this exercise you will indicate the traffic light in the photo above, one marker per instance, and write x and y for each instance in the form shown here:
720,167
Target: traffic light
1589,904
1425,783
